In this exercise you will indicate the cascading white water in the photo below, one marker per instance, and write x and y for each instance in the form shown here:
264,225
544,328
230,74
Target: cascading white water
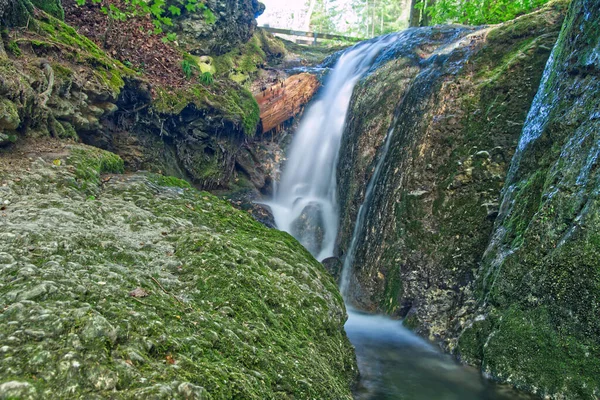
394,363
305,203
362,213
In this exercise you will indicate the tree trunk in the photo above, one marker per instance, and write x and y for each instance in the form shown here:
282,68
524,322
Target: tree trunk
425,18
415,14
309,13
15,12
374,22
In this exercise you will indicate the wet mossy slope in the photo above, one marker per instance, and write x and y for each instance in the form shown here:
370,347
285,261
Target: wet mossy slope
538,324
136,286
457,109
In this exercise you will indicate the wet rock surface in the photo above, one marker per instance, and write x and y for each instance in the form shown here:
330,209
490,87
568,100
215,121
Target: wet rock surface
457,113
456,123
538,286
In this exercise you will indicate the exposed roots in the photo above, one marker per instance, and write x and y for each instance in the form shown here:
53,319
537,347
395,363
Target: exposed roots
49,72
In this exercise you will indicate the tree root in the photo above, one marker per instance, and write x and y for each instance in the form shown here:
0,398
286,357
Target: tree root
49,72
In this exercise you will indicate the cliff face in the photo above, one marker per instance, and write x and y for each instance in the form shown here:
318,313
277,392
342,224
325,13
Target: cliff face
539,283
456,112
136,286
529,295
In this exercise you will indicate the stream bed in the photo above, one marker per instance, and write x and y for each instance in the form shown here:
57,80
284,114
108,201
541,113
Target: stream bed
395,364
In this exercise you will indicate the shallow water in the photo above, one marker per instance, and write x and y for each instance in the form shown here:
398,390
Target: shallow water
395,364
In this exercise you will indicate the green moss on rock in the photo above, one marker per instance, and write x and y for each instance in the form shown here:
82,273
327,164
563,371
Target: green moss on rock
169,181
90,163
52,7
152,291
234,102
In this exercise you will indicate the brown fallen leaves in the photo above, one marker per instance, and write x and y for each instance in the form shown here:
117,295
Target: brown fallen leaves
132,41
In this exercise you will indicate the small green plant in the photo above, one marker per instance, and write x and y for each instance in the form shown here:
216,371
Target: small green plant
207,78
208,15
14,48
188,69
169,37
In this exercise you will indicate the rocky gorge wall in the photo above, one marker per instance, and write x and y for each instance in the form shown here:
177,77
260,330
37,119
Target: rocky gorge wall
457,112
494,265
538,287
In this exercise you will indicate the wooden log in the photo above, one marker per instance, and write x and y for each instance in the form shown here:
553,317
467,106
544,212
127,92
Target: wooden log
315,35
285,100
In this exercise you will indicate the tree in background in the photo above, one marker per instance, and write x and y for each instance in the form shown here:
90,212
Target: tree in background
378,17
325,16
420,12
475,12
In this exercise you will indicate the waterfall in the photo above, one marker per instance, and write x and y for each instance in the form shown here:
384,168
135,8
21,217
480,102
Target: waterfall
305,204
362,213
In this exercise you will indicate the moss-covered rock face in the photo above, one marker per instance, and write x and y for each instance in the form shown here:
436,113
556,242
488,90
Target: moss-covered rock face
456,113
56,82
523,306
138,287
539,284
224,25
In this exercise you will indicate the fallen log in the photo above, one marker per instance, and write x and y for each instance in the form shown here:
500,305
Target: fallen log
285,100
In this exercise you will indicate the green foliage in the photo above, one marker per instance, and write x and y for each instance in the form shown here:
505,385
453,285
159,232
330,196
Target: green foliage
161,11
207,78
169,37
479,12
188,68
208,15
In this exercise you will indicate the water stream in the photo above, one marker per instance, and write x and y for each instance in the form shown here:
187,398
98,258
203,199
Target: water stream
394,363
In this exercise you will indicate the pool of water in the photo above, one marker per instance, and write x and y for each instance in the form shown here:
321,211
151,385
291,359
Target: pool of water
395,364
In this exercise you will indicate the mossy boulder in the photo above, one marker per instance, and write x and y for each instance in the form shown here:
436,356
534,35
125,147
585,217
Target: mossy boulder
136,286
